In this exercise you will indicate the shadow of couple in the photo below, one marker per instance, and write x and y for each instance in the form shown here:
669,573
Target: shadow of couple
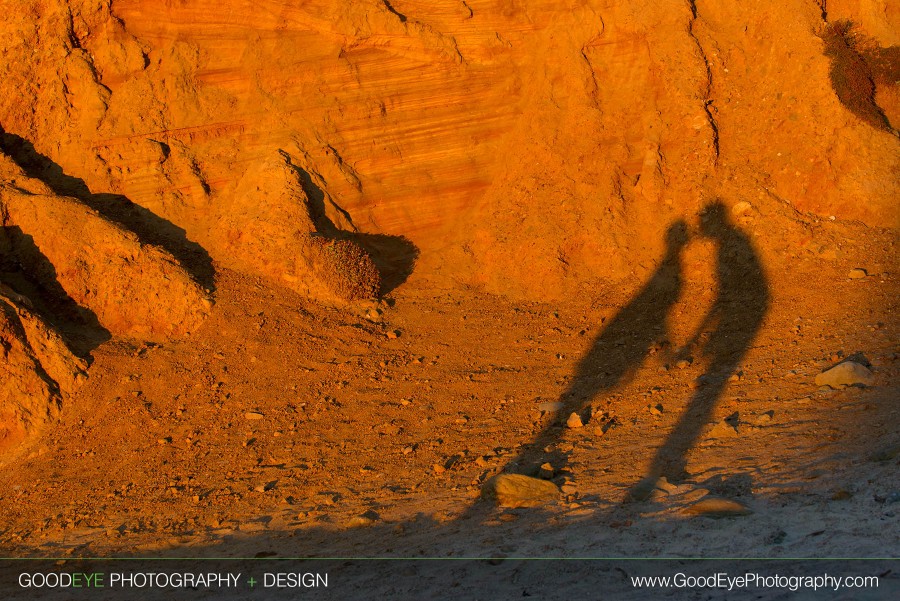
723,339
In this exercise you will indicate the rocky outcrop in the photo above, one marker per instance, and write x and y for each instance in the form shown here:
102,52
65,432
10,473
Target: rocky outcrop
84,272
133,289
37,369
270,228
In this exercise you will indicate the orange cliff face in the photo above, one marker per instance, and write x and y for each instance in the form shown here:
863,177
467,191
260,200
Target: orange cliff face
526,147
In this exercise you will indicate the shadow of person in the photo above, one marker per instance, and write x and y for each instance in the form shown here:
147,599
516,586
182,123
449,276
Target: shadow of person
735,318
617,352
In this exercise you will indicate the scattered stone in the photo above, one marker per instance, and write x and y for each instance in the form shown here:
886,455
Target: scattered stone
652,488
847,373
546,471
574,421
663,484
765,418
741,208
723,429
516,490
717,508
253,415
858,274
569,487
366,519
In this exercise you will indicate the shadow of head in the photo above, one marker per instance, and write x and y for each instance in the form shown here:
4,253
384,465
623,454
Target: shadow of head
714,220
677,234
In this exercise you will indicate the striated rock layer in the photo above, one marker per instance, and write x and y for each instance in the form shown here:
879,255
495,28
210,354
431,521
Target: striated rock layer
527,147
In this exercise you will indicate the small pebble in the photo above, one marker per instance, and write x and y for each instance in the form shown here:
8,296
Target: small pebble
574,421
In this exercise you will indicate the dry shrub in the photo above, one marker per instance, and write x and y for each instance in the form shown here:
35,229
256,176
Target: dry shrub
851,73
348,270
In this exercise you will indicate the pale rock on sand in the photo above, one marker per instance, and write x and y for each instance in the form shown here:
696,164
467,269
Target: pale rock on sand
847,373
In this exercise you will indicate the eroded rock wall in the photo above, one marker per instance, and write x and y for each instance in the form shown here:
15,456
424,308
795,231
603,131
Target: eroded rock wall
526,147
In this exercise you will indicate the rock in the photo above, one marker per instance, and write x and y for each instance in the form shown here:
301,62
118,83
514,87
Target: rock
516,490
574,421
655,409
393,334
569,488
741,208
683,363
132,288
717,508
663,484
764,418
857,274
266,227
253,415
723,429
551,407
546,471
37,369
266,486
651,488
847,373
366,519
